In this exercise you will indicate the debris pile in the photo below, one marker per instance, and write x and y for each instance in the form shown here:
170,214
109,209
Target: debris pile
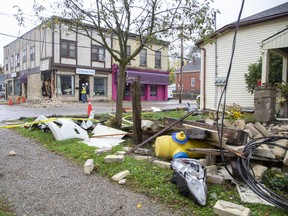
46,103
246,150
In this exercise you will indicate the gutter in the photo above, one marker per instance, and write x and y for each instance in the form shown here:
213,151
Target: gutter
204,79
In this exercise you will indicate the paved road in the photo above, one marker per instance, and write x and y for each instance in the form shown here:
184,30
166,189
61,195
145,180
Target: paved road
29,109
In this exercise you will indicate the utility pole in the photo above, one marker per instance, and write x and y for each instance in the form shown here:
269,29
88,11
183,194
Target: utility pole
181,70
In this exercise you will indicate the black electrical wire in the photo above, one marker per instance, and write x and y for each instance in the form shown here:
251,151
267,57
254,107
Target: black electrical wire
223,94
243,167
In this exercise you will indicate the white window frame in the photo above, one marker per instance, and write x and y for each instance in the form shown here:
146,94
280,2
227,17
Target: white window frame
193,81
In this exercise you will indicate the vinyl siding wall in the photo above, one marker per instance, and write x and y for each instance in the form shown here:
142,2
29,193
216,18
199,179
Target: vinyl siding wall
247,51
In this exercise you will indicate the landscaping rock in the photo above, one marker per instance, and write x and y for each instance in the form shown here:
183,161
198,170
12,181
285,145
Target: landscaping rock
278,151
117,177
89,166
142,151
122,182
225,208
140,157
102,150
262,129
258,170
114,158
12,153
240,124
163,164
264,151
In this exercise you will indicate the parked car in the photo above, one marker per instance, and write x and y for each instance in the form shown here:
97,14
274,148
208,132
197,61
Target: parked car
170,94
2,93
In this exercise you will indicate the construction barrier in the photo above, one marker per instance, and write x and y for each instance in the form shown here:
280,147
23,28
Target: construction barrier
89,108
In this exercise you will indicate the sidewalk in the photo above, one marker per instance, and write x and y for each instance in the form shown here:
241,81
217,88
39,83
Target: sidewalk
15,112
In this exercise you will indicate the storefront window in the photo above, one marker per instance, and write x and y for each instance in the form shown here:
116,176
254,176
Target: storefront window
65,85
127,89
17,87
142,90
9,87
100,86
153,90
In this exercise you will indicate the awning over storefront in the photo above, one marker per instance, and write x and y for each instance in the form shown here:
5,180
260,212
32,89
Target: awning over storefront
148,78
23,78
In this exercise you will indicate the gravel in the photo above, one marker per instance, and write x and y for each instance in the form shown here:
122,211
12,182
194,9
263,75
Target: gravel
39,182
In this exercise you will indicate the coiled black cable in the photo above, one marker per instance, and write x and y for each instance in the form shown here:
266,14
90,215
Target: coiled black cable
243,168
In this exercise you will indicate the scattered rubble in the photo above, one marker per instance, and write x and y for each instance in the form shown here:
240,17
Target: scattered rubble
12,153
119,176
89,166
225,208
204,144
47,103
114,158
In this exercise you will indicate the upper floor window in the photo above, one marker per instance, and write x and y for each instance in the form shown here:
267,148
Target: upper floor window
17,59
157,59
6,63
143,57
193,81
12,61
128,51
68,49
24,55
32,53
97,53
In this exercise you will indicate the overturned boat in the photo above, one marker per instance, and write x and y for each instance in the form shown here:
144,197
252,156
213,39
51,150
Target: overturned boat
190,178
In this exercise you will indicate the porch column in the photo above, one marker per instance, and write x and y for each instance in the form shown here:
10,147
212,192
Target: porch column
265,67
284,69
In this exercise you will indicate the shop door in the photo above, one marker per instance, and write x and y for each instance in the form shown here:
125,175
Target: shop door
83,79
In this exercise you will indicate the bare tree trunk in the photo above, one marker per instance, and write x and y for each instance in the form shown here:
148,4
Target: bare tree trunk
120,93
136,110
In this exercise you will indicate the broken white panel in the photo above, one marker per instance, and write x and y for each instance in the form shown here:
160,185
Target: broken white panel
63,129
156,109
103,142
104,131
248,196
87,124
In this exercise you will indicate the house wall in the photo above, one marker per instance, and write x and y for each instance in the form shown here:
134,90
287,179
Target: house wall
189,91
247,52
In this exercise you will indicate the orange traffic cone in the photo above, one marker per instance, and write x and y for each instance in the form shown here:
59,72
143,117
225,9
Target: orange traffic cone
23,100
89,108
10,102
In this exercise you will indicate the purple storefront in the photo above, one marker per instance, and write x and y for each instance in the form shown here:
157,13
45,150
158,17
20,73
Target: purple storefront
154,83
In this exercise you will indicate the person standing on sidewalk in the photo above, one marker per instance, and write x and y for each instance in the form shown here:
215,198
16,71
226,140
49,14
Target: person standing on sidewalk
87,92
83,93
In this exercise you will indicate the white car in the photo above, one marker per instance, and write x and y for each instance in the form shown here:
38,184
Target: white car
170,94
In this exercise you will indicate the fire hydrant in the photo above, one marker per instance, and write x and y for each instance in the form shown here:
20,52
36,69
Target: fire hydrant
176,146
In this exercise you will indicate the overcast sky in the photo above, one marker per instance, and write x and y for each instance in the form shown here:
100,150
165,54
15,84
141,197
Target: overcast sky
229,12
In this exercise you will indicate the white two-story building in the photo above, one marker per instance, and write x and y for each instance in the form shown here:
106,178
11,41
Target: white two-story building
55,62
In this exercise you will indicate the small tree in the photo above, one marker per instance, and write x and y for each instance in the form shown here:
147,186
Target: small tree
151,22
255,70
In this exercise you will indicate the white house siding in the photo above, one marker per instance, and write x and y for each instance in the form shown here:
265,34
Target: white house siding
247,52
